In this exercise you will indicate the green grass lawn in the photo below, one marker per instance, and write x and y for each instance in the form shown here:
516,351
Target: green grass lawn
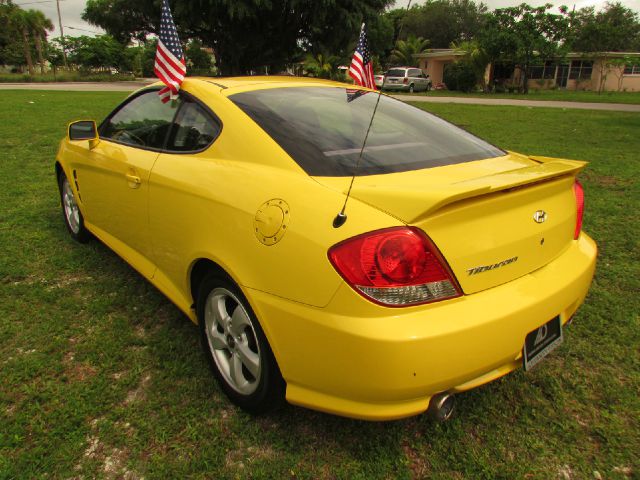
63,76
549,95
102,377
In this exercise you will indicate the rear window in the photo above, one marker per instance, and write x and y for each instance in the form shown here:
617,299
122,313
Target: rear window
396,72
323,128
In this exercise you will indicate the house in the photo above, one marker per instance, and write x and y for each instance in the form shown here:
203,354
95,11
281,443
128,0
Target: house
575,71
433,62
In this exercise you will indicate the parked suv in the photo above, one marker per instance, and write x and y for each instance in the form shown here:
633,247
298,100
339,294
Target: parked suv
406,79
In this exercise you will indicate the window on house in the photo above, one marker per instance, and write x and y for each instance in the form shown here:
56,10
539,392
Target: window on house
549,70
632,69
536,72
581,70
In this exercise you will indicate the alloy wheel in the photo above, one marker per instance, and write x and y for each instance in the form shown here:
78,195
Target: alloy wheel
71,211
232,340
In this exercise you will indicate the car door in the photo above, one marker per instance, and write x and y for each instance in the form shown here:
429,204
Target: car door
181,175
417,79
114,181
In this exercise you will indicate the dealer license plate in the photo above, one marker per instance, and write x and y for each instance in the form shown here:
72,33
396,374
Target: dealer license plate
542,341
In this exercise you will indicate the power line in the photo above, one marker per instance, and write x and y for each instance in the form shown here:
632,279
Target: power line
83,30
32,3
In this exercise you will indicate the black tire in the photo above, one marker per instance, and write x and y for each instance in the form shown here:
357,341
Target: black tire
255,394
71,214
411,88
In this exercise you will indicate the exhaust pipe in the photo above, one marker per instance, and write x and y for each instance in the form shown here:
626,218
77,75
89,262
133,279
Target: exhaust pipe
441,407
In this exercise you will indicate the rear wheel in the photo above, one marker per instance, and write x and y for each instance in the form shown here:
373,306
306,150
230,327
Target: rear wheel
411,88
71,213
236,347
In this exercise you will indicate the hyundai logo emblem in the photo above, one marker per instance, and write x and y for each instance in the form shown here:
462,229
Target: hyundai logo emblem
540,216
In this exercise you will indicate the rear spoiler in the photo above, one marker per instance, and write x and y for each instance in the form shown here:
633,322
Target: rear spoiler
418,203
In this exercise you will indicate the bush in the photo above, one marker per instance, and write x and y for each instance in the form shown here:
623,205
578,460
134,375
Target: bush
460,76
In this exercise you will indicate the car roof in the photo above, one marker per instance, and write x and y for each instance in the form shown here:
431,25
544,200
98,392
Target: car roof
230,85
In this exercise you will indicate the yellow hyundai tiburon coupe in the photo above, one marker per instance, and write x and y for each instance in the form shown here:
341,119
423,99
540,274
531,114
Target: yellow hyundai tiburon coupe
337,247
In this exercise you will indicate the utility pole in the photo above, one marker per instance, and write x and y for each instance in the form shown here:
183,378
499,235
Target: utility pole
402,21
64,48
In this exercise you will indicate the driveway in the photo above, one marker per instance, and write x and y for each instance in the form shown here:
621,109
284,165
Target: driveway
130,86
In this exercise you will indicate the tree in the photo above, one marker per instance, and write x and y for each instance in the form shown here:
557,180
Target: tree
380,31
54,53
18,28
396,18
40,24
102,52
443,21
321,65
198,61
476,57
524,34
405,50
615,28
244,34
8,31
22,19
616,66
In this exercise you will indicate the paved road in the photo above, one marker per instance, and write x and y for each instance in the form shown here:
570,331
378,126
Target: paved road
130,86
618,107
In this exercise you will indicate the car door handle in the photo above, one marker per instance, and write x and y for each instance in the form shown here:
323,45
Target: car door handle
134,180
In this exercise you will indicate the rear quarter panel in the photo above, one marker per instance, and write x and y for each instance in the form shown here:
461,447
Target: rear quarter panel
204,206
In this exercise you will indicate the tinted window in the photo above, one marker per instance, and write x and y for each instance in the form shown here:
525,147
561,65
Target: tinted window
414,72
322,129
194,129
396,72
143,122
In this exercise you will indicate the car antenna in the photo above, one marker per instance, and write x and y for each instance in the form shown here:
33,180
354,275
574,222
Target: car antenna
342,217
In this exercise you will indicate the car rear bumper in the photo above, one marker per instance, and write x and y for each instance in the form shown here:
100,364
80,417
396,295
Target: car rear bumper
362,360
401,87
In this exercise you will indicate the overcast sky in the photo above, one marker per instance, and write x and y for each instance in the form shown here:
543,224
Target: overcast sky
73,25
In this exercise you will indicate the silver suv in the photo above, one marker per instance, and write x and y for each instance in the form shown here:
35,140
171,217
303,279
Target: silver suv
406,79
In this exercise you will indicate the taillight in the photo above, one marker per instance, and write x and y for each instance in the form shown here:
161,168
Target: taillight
397,266
579,193
405,81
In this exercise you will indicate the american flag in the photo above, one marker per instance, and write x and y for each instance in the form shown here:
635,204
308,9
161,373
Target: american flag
169,66
354,93
361,69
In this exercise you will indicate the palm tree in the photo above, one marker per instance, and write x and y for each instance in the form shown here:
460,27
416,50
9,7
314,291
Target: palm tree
321,65
22,20
406,49
40,25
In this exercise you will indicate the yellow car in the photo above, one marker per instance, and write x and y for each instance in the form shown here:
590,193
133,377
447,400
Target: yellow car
338,248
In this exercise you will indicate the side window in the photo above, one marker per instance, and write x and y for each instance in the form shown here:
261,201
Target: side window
194,129
414,72
143,122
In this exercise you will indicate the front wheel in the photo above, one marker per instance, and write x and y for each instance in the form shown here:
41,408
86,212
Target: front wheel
236,347
71,213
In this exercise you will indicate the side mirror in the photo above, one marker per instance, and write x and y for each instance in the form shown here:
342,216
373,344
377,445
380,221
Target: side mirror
83,130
